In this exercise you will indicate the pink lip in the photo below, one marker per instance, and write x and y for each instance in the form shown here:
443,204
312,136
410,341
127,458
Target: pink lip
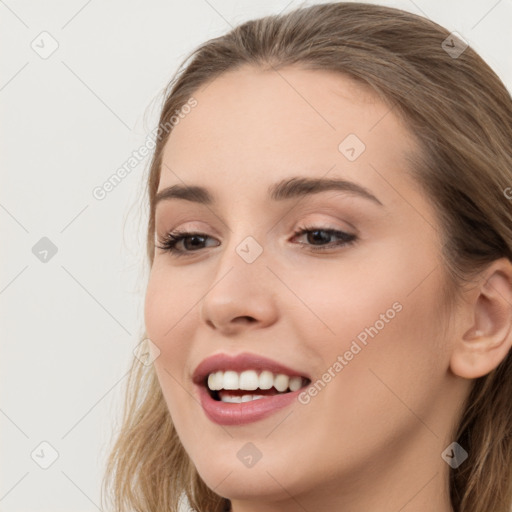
246,412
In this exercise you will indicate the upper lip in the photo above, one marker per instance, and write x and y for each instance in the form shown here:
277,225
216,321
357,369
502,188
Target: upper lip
239,363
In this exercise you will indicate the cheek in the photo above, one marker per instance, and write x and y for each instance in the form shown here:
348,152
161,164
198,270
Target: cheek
156,304
168,303
384,323
395,369
336,303
168,314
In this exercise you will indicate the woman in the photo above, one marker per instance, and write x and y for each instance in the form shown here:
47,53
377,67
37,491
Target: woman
329,306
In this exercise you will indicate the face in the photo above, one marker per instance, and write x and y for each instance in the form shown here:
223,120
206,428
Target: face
348,309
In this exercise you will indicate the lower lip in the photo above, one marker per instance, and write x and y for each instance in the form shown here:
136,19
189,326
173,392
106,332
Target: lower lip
225,413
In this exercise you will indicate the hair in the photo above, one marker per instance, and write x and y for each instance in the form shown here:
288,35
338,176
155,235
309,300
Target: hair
461,115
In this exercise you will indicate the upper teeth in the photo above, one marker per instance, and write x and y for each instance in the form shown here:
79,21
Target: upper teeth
250,380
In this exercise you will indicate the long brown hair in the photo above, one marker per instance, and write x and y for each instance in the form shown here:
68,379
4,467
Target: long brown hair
461,115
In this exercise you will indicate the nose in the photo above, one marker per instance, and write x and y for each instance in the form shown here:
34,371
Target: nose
241,294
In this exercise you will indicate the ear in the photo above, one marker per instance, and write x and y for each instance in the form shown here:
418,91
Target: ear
481,347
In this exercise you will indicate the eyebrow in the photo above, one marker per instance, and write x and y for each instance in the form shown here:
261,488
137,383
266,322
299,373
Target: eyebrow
285,189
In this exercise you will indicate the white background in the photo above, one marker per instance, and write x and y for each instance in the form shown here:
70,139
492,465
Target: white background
68,122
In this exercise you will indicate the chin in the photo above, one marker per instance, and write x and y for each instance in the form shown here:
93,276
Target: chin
247,485
228,477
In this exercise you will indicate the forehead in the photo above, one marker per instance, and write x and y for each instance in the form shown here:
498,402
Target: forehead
253,127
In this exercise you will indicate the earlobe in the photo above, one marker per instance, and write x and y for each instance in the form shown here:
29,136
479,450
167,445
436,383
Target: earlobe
479,349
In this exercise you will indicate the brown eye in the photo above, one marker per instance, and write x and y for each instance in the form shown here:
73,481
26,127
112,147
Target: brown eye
191,242
319,237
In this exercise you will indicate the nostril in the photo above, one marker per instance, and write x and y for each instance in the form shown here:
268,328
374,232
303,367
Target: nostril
243,319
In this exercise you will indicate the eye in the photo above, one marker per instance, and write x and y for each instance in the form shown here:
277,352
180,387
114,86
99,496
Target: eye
173,238
317,236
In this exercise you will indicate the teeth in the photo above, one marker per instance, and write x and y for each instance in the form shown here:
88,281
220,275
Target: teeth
239,399
230,380
295,383
281,382
249,380
266,380
215,380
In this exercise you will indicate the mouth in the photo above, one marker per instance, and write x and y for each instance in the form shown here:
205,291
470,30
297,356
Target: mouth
239,387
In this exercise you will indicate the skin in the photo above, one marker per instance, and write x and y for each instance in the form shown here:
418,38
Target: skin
372,438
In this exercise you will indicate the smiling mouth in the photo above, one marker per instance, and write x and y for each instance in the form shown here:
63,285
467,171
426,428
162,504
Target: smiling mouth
237,387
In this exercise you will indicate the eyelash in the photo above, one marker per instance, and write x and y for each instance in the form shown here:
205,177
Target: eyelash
171,239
